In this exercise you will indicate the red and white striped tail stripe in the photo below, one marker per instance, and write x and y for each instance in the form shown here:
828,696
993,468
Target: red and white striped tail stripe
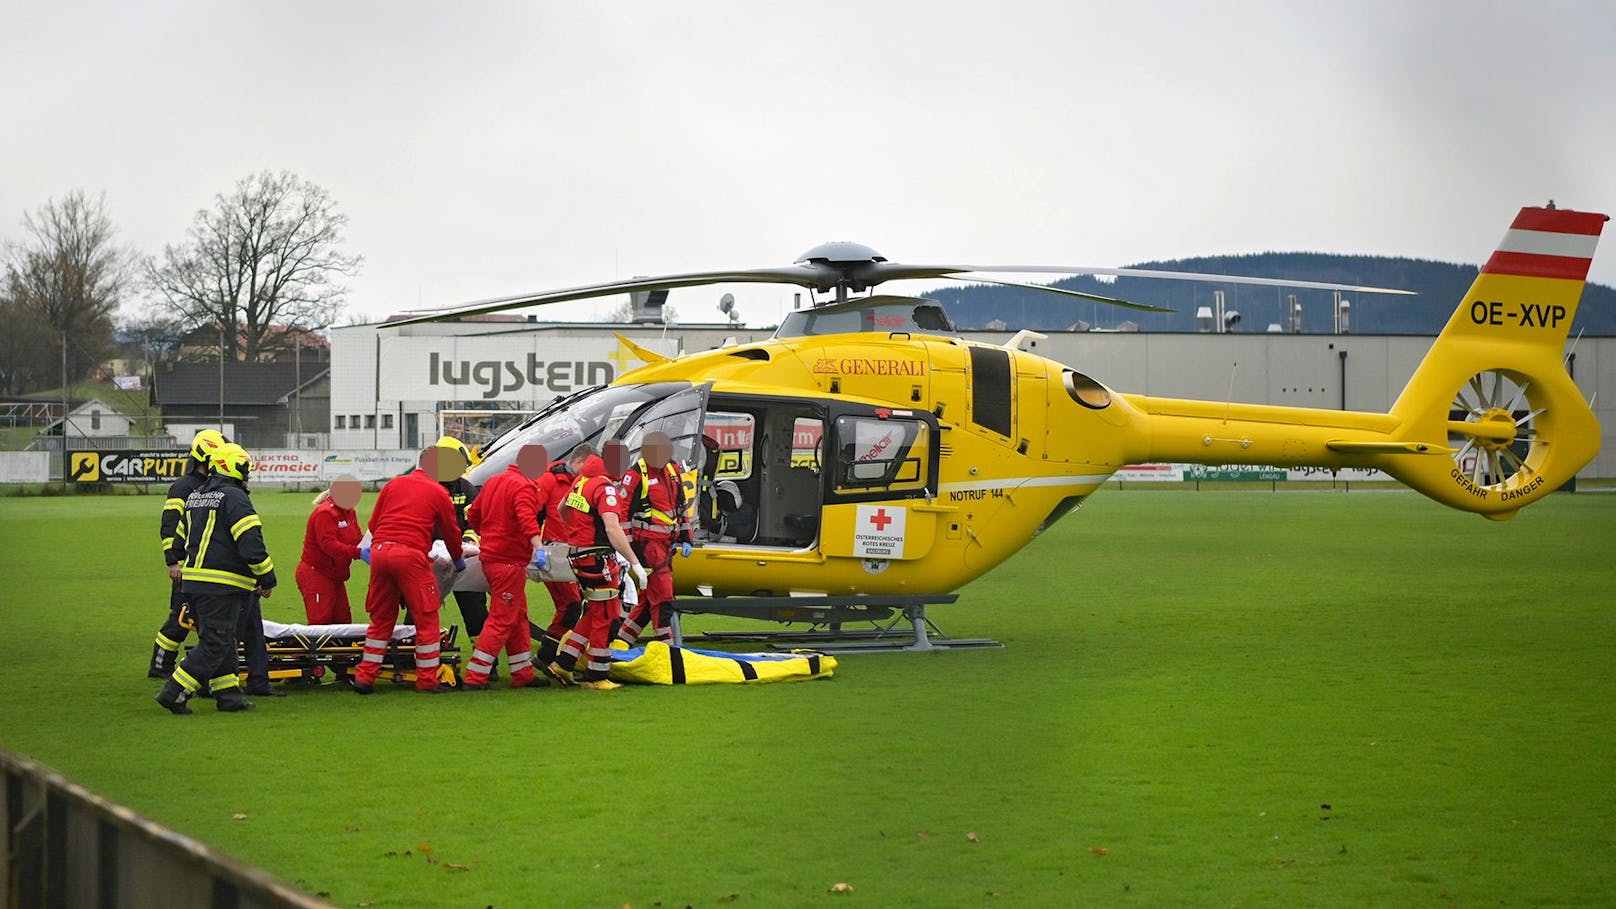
1548,243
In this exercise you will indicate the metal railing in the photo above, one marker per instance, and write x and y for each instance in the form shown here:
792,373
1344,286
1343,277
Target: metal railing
64,847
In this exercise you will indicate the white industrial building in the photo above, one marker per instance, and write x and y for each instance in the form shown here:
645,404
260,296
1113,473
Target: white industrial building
390,385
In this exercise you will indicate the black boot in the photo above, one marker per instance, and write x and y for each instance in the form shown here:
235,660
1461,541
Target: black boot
548,648
231,701
162,663
262,690
172,698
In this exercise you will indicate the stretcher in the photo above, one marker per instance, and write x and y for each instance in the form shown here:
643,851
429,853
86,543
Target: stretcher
660,664
557,567
320,654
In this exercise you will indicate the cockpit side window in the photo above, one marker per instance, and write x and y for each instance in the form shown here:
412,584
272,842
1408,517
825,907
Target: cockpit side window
873,454
679,416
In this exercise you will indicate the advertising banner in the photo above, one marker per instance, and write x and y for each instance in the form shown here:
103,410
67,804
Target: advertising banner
120,466
1345,474
1134,473
270,465
1232,473
290,465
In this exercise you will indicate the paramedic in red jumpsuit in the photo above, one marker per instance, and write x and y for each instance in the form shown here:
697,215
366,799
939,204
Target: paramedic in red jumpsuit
411,511
656,528
593,515
330,545
553,488
505,517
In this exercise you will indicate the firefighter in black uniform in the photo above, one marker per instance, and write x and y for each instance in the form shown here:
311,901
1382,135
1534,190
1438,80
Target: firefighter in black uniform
166,650
226,563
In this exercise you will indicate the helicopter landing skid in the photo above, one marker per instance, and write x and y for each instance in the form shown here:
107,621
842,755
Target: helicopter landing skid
895,623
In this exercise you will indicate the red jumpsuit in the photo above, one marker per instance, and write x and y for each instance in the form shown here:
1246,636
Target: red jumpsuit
655,527
553,487
330,544
592,495
505,517
411,511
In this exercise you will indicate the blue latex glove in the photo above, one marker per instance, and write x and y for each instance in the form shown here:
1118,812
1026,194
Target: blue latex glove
364,554
460,564
541,558
684,549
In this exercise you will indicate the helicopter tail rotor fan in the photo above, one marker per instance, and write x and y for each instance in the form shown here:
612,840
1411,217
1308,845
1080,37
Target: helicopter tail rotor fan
1494,391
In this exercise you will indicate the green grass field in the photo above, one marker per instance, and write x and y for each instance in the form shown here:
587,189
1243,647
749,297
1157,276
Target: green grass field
1187,682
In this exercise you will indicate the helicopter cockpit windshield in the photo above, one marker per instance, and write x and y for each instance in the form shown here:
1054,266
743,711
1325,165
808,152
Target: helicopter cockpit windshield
601,414
879,313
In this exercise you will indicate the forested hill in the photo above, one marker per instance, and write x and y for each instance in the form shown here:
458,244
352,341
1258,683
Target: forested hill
1440,286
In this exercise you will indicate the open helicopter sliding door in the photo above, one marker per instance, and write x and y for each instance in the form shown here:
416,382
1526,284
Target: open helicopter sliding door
848,490
762,485
883,465
680,416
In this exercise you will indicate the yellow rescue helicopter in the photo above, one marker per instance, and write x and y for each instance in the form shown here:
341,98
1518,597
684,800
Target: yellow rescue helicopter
867,449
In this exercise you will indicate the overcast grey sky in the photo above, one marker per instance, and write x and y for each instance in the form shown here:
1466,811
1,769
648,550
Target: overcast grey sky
490,148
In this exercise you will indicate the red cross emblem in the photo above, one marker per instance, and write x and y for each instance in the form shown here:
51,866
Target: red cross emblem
880,519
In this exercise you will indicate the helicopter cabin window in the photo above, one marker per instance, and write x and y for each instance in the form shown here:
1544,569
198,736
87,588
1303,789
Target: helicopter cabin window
876,454
729,438
879,314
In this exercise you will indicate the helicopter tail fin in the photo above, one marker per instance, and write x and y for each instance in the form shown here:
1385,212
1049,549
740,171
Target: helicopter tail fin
1493,390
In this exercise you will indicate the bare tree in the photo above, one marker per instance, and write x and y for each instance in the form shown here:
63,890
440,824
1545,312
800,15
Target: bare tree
63,281
266,259
152,336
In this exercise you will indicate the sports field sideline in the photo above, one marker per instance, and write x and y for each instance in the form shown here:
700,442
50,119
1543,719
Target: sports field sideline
1204,699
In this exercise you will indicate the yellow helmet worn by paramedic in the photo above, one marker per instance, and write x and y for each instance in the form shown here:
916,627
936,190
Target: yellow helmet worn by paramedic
205,444
231,460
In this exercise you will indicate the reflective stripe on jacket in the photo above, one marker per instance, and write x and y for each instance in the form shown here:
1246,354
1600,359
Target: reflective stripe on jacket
172,529
224,547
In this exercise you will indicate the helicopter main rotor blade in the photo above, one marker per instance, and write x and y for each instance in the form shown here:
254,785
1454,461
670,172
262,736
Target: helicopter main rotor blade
1180,276
1128,304
825,274
812,275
